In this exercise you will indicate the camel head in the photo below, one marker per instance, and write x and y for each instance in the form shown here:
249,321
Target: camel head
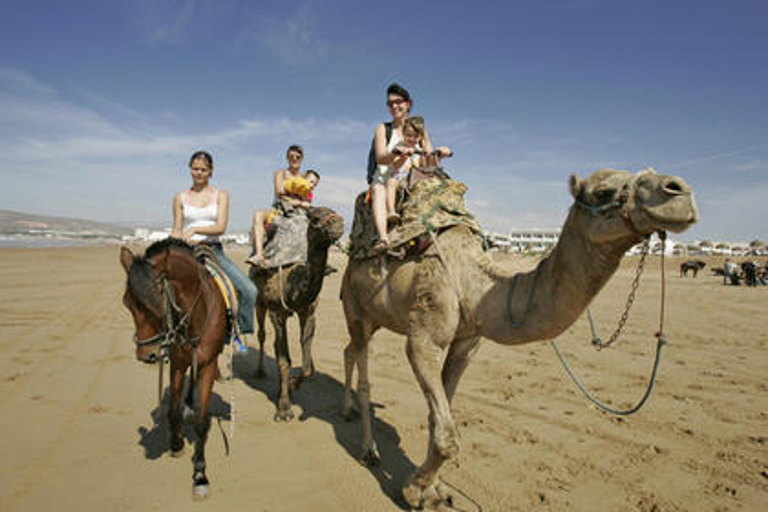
325,226
618,205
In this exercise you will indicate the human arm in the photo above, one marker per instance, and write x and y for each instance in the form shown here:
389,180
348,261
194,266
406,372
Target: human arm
178,217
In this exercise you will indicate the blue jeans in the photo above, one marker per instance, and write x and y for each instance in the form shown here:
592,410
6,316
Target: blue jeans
246,291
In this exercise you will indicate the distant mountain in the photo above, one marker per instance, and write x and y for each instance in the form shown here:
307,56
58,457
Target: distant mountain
18,223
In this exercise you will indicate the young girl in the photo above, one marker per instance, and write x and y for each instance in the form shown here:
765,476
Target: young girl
200,215
407,154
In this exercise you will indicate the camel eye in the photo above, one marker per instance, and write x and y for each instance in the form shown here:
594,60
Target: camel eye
604,196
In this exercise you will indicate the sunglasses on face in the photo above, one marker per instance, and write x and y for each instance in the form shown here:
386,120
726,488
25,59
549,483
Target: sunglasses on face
392,103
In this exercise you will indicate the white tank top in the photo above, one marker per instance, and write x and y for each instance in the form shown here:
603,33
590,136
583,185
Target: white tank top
196,217
394,140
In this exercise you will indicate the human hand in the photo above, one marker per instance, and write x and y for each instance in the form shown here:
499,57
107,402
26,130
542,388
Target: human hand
443,152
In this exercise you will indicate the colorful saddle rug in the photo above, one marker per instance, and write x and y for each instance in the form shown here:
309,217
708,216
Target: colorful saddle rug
428,204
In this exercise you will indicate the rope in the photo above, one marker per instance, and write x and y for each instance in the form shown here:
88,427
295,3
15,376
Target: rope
660,336
280,287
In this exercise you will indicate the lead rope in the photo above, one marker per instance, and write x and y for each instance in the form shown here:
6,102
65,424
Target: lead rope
661,341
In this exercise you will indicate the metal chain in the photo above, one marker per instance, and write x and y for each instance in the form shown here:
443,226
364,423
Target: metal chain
596,341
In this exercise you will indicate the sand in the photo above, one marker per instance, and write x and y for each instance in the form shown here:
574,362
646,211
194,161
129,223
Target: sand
79,432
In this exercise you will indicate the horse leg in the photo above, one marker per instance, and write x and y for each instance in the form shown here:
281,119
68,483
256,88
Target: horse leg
188,407
174,409
200,483
283,359
425,347
261,312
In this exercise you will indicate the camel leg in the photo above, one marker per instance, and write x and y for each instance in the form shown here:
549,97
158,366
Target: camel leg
283,359
456,362
174,409
425,356
370,453
201,485
360,333
307,322
261,312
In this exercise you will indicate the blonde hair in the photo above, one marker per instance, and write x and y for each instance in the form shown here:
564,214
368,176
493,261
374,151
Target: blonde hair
417,124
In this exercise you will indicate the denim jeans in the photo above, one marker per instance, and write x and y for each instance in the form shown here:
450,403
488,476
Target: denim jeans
246,291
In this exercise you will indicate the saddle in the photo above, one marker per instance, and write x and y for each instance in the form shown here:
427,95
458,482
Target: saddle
428,202
207,257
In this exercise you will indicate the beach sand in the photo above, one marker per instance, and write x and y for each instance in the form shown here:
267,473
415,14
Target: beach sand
78,416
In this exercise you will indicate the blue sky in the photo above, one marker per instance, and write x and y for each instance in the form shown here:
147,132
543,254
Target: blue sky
102,102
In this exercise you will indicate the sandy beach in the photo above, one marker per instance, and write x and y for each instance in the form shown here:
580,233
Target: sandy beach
79,412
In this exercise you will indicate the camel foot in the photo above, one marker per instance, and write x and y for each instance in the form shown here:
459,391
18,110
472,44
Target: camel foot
370,458
284,415
426,498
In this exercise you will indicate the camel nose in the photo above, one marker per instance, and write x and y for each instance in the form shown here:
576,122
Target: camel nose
675,186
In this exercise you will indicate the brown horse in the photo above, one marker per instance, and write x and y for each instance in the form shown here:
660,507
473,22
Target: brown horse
692,265
180,315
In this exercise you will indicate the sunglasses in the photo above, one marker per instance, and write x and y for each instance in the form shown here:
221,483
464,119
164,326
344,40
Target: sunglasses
392,103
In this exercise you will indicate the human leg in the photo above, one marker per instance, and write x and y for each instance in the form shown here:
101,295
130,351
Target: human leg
257,236
246,292
379,202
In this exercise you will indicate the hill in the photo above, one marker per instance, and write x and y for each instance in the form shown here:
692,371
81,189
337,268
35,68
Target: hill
18,223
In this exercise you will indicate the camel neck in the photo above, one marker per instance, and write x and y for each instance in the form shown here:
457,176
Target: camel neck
542,303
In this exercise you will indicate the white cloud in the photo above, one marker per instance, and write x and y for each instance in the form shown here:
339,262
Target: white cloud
15,81
292,40
166,21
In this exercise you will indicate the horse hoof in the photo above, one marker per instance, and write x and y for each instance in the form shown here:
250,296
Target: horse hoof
201,491
177,453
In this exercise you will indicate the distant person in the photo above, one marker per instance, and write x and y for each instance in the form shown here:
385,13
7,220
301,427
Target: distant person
200,216
286,183
729,271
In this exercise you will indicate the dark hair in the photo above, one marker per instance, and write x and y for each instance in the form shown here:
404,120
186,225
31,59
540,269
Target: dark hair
204,155
312,171
399,90
294,147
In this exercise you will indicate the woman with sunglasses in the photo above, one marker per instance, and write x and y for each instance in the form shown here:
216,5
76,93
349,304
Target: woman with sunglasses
386,138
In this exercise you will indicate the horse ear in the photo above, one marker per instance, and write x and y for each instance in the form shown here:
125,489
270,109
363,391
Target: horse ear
126,258
576,184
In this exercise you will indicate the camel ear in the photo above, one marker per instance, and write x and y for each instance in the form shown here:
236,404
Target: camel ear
576,184
126,258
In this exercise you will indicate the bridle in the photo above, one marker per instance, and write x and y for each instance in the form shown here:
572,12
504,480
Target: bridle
174,333
621,204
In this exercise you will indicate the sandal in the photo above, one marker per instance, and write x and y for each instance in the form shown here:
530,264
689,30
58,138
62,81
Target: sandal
393,217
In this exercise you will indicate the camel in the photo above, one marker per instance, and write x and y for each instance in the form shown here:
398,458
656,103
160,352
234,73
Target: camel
446,299
295,288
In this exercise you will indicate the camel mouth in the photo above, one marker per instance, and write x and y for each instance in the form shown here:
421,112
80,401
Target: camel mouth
676,214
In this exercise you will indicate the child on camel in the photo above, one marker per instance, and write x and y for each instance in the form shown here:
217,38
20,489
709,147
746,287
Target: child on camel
407,155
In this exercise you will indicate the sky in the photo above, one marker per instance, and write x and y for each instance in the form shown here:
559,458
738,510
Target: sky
102,102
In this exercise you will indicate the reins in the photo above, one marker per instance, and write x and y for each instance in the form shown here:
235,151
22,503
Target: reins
599,344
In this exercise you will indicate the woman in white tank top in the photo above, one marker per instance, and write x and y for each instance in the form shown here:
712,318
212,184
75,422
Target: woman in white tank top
200,215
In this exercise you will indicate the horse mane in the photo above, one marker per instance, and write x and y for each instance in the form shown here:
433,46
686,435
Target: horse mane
167,243
142,278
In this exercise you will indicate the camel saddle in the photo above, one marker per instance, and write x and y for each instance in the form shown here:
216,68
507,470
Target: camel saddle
428,201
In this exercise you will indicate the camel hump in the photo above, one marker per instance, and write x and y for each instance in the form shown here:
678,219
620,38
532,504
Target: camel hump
431,204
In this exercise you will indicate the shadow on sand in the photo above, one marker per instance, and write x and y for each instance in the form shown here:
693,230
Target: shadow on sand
321,397
156,441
